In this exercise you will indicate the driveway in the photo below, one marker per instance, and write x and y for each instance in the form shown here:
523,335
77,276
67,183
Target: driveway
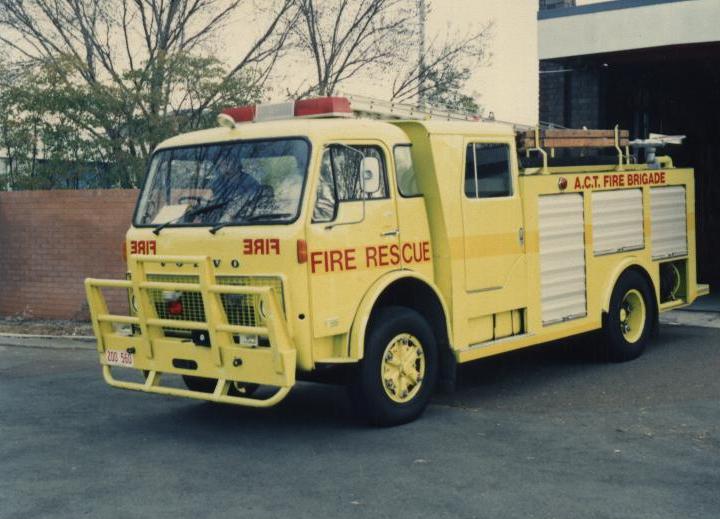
549,432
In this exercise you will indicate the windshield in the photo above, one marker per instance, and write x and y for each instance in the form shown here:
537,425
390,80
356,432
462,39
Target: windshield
231,183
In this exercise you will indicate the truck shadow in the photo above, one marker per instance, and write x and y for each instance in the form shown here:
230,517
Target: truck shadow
504,381
563,375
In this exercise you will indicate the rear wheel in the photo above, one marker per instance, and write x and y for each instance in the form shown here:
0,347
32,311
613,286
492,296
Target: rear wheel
629,322
396,378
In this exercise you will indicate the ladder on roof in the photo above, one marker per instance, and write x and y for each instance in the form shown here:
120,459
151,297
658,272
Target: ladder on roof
363,106
530,139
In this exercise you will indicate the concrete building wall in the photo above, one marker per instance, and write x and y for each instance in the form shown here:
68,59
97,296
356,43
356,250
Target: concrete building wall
508,86
627,24
50,241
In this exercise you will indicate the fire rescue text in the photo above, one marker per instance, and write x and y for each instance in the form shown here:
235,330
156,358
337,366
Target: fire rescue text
341,260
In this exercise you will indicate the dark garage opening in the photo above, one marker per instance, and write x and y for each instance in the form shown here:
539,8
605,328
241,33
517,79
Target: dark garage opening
670,90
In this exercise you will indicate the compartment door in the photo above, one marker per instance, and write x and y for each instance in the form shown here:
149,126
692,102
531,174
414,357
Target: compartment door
562,257
668,221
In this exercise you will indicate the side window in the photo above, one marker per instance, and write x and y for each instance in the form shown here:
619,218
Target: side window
345,163
487,170
340,179
406,181
325,200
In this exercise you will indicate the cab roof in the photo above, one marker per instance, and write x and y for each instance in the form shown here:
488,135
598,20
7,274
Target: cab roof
314,129
334,129
469,128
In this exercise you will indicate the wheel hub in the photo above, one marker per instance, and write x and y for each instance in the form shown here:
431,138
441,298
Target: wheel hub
632,315
402,368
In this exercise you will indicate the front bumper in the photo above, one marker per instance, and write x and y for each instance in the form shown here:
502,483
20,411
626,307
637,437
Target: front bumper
156,354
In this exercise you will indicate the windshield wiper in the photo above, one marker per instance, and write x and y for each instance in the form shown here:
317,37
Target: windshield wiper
269,216
190,214
253,218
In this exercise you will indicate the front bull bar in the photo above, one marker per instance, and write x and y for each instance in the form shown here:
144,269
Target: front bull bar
223,360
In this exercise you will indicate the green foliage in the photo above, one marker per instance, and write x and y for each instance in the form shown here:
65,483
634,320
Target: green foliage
444,88
61,132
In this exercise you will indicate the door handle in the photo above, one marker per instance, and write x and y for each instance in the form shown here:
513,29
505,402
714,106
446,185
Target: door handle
394,232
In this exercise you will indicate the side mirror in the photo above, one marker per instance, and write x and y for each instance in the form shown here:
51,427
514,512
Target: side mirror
370,171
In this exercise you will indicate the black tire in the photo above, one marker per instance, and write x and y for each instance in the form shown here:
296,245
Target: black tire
368,392
201,384
620,344
207,385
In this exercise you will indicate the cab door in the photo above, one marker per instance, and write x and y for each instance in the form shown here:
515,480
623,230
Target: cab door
494,241
352,239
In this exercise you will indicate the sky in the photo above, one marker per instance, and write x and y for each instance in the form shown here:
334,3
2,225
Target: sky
508,86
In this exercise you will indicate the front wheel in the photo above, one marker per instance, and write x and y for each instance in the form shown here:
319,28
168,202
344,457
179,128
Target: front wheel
629,322
396,378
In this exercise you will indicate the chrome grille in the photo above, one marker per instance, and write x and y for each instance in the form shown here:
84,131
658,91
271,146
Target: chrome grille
241,310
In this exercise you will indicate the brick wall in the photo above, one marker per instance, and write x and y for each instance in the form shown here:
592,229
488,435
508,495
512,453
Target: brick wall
553,84
50,241
570,93
585,98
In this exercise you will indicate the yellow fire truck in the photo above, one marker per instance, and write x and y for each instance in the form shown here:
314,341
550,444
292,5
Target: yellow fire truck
299,238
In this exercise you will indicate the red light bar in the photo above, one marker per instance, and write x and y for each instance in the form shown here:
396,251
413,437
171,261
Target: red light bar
241,114
306,108
319,106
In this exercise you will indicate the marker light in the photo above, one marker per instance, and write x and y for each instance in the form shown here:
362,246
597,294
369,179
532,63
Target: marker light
303,108
175,307
173,302
226,121
301,251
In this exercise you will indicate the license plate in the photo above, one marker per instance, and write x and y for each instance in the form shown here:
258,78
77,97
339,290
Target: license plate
119,358
248,340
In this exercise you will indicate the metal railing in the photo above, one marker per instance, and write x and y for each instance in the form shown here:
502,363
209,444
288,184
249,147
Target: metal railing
221,333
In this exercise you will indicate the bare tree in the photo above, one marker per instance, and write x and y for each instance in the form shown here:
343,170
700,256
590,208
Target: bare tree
346,37
439,75
130,41
142,62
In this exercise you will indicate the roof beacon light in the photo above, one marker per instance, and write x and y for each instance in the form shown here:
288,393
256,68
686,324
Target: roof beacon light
226,121
274,111
304,108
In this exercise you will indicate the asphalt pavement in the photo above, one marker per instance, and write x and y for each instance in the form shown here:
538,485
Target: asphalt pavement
548,432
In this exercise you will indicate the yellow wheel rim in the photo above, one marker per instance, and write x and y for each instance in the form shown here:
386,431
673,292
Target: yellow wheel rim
402,368
632,315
